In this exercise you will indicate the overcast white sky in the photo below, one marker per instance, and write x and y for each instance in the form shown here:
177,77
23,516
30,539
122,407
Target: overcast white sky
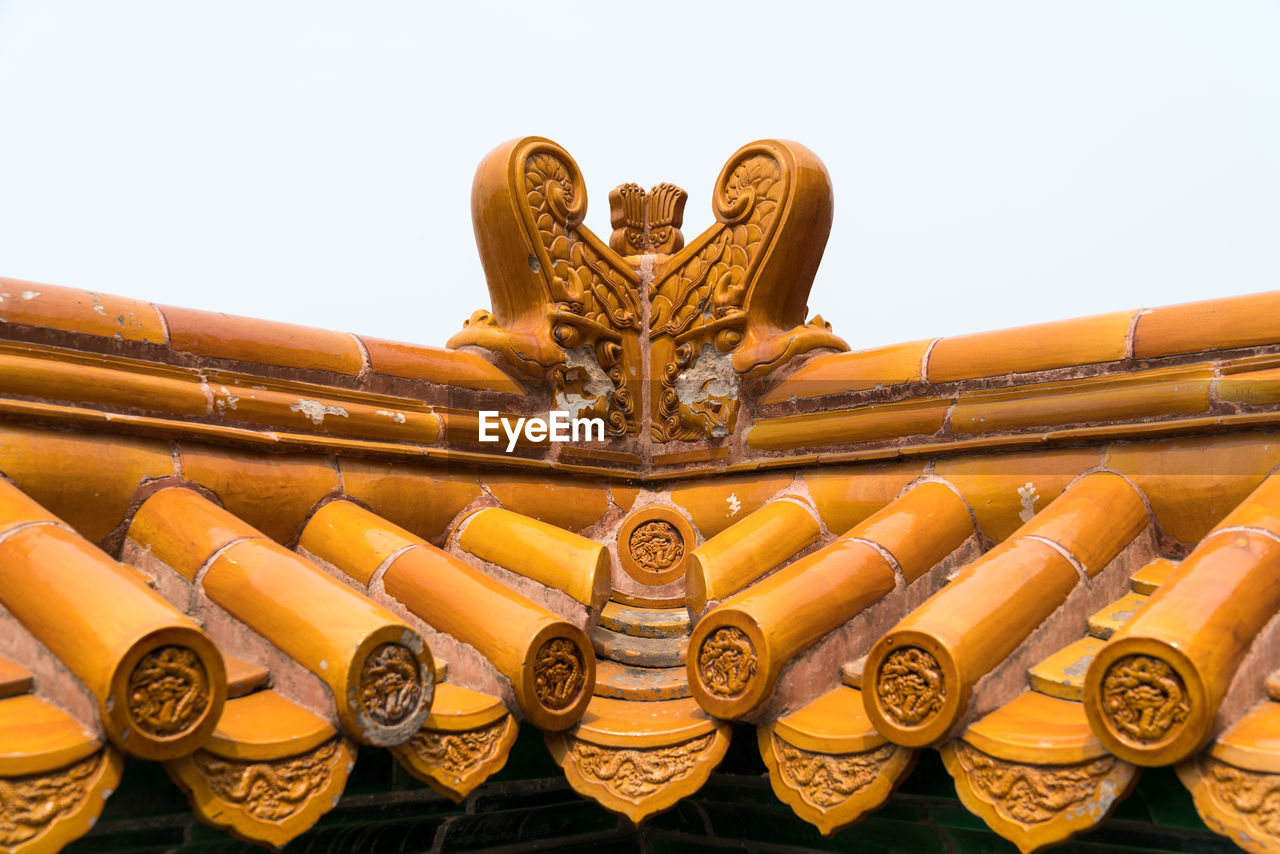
995,163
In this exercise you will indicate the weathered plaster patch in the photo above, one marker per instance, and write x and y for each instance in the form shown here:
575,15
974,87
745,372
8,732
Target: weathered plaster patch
315,410
1029,498
397,417
595,388
710,380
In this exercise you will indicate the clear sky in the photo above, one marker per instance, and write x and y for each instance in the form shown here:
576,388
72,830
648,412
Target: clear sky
994,163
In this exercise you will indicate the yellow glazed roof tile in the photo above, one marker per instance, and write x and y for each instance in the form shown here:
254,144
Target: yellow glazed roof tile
1148,579
37,736
1104,623
833,723
265,725
1062,674
1254,741
1038,729
282,435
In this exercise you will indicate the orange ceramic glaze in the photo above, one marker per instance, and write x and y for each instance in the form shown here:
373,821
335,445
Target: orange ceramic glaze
1148,579
421,500
1063,781
1181,391
620,733
919,529
523,640
547,554
1005,490
738,648
1256,388
519,637
84,312
467,723
262,739
265,726
437,365
845,496
873,423
307,411
358,541
748,549
18,509
516,634
797,605
1192,484
920,675
118,637
459,709
1038,729
243,677
102,386
14,678
36,736
568,504
1153,691
828,763
60,469
379,670
273,493
624,496
182,529
265,342
1260,510
716,504
1094,519
654,542
1038,347
1217,324
1062,673
1252,742
838,373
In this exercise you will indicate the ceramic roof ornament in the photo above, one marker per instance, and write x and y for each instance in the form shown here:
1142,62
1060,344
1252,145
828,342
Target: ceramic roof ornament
250,550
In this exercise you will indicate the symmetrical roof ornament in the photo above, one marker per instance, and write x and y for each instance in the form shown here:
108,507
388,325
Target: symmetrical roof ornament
647,311
245,549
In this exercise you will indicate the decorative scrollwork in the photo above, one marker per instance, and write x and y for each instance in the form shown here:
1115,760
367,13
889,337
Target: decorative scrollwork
269,791
910,686
580,279
390,684
825,780
31,803
559,673
727,662
656,545
634,772
715,280
1031,794
1143,698
168,691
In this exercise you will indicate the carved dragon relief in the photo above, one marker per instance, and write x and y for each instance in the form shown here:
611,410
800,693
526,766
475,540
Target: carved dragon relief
832,790
638,780
1037,805
454,763
728,306
1235,802
264,800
